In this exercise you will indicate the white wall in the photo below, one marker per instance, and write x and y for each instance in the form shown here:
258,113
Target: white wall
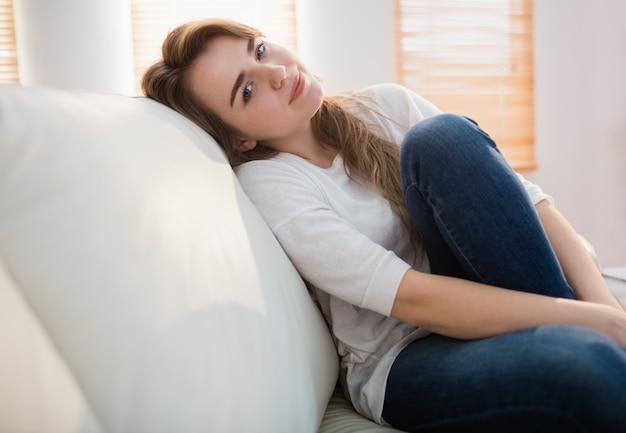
580,80
77,44
347,43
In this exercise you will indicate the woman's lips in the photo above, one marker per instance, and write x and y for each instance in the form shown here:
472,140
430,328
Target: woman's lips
298,87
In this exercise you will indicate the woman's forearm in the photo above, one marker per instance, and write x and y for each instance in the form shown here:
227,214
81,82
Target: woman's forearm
580,270
467,310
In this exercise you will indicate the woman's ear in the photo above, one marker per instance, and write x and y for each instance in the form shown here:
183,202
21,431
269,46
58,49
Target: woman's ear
242,145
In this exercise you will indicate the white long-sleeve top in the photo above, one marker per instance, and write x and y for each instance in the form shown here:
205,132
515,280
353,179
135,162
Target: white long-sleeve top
348,245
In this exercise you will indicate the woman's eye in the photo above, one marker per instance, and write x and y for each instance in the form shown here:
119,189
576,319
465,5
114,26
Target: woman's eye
260,50
247,92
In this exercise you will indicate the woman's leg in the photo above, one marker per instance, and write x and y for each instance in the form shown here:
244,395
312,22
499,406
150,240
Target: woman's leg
549,379
473,214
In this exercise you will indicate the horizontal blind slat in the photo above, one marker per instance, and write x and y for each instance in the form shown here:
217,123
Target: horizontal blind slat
8,51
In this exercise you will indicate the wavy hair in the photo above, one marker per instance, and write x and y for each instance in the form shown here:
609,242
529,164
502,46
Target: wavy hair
366,155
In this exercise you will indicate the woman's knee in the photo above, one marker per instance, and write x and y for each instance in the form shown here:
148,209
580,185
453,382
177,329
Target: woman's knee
585,350
438,132
444,141
585,365
589,370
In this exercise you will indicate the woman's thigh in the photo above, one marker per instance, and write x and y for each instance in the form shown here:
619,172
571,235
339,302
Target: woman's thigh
552,378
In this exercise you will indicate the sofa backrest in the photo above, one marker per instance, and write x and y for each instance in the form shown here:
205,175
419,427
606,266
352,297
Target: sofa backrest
139,288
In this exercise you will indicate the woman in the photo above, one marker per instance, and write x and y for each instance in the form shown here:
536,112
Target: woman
458,296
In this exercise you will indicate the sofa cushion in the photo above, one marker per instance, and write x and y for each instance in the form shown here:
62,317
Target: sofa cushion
340,417
153,284
36,387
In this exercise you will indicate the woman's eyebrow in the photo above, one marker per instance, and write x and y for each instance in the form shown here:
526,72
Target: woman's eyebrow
239,79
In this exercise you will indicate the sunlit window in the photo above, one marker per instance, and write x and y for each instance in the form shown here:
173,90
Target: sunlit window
8,55
473,58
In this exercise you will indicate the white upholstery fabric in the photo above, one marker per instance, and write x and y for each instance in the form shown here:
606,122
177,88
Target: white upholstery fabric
340,417
140,290
36,388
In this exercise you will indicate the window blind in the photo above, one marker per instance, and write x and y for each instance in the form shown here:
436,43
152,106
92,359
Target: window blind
473,58
152,19
8,54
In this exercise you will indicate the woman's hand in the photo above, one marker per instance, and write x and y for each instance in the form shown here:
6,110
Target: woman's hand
614,323
467,310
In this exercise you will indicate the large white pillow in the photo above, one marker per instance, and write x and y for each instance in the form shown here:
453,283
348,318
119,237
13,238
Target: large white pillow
164,301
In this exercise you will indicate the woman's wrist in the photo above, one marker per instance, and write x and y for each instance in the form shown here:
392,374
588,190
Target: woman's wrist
600,294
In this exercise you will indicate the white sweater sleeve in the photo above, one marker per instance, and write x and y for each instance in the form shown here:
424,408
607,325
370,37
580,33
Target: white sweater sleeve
327,250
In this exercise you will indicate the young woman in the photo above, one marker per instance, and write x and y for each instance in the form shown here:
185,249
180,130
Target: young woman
458,296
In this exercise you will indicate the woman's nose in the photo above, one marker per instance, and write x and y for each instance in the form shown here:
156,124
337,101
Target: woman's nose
277,75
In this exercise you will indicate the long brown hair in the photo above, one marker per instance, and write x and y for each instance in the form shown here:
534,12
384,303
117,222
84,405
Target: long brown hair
366,155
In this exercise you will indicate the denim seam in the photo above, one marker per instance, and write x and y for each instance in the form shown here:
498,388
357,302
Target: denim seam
415,187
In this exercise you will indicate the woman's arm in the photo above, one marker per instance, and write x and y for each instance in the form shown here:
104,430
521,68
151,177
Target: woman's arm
468,310
579,268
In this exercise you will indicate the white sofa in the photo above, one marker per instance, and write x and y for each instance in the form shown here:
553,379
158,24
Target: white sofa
140,291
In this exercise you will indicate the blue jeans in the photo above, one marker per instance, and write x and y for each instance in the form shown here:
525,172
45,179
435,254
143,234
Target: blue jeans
477,222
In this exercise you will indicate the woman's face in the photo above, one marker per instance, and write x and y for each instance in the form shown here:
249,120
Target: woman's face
258,88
